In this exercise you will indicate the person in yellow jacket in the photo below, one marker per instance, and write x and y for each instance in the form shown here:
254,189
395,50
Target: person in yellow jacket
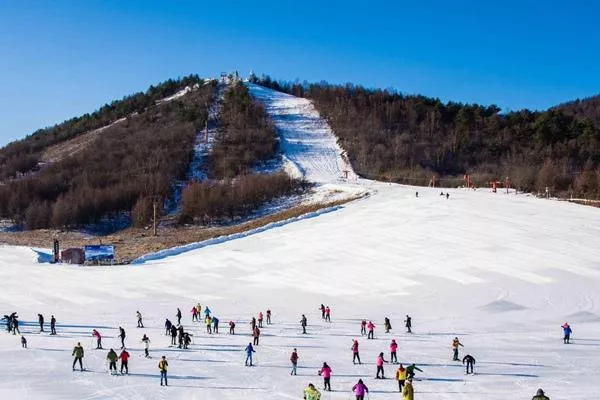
311,393
162,366
208,321
408,392
401,377
455,344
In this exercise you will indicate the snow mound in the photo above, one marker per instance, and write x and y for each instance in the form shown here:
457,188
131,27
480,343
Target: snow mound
501,306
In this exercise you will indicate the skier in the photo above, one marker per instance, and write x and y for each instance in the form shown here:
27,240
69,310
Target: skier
252,324
98,337
327,314
139,319
180,334
206,312
256,335
379,364
173,335
122,336
268,317
410,370
371,327
41,321
146,341
187,339
78,354
325,372
112,358
168,325
447,196
355,355
387,325
322,309
249,350
52,325
311,393
303,322
178,315
208,322
360,389
23,342
408,391
8,319
455,344
215,322
416,194
15,325
363,327
124,356
194,314
539,395
567,333
408,324
162,366
260,319
198,312
401,377
470,360
393,350
231,328
294,359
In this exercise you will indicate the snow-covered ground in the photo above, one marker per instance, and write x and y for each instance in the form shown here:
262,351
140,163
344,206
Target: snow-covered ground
501,272
310,149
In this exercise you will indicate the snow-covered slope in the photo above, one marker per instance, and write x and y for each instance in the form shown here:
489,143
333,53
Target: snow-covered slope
308,144
501,272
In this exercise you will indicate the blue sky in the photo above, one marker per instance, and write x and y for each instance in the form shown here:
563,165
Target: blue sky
61,58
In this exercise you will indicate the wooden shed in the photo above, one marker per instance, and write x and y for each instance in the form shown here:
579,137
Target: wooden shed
72,256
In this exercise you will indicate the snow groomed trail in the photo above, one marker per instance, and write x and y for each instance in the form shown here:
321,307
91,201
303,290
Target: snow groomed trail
307,141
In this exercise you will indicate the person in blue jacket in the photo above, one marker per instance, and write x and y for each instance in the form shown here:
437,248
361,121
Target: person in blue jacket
249,351
567,333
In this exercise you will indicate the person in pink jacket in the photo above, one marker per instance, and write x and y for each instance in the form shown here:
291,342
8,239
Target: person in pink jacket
194,312
355,355
360,389
325,372
393,349
371,328
379,364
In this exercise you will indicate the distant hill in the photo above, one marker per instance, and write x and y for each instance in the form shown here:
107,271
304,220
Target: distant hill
416,139
112,166
588,108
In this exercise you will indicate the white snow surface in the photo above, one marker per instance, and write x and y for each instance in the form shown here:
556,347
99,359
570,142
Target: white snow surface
501,272
309,147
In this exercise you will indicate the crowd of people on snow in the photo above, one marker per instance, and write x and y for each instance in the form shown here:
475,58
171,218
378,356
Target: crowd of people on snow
182,339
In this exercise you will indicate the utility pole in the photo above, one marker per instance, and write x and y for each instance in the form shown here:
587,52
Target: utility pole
154,218
206,127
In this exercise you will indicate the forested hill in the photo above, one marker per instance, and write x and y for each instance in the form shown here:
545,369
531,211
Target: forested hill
410,139
24,156
588,108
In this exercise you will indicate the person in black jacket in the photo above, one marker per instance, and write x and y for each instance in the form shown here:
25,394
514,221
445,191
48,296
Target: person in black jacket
41,321
52,325
469,360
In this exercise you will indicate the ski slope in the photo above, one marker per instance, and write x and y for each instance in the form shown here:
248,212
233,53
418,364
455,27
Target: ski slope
501,272
309,146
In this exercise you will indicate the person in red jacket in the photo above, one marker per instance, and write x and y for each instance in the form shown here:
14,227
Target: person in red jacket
98,337
371,327
363,327
355,355
124,356
294,360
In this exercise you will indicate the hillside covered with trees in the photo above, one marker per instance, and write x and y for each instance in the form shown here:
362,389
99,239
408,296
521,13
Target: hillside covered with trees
121,172
125,169
409,139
